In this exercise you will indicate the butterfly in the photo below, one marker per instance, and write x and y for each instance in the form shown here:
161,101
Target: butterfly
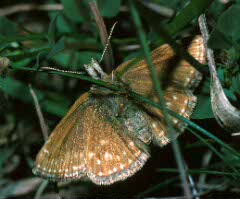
105,135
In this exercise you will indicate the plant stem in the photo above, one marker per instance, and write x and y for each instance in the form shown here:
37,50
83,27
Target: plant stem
158,89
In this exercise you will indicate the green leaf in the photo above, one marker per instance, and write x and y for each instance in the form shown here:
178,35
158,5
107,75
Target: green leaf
39,58
5,154
58,109
236,83
230,157
65,25
229,22
65,59
193,10
216,9
230,95
203,109
221,74
20,91
52,31
226,33
7,27
77,11
19,55
58,47
109,8
190,12
22,62
4,40
217,40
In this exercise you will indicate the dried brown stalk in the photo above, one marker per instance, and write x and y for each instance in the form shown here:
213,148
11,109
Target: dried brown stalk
108,58
39,113
29,7
225,113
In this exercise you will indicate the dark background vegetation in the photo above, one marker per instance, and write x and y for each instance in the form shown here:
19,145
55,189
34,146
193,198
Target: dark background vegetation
38,38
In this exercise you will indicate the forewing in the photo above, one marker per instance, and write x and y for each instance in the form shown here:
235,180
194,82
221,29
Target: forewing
63,155
111,155
136,75
170,69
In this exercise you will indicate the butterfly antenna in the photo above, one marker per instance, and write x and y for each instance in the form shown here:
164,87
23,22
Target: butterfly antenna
59,70
108,41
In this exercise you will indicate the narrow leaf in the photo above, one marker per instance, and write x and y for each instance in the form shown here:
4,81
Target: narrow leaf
58,47
52,31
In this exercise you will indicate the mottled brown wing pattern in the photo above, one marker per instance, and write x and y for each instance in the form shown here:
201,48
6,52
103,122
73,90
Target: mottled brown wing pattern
137,77
90,142
179,95
62,156
185,75
98,137
182,80
180,101
112,155
180,73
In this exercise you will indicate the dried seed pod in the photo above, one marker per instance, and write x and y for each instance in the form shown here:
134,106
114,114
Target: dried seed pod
225,113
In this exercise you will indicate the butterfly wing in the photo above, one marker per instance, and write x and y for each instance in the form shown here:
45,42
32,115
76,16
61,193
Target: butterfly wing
179,79
182,102
185,76
63,155
179,94
135,74
179,73
91,142
111,153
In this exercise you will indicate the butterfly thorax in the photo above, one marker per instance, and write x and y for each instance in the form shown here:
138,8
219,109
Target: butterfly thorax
121,111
